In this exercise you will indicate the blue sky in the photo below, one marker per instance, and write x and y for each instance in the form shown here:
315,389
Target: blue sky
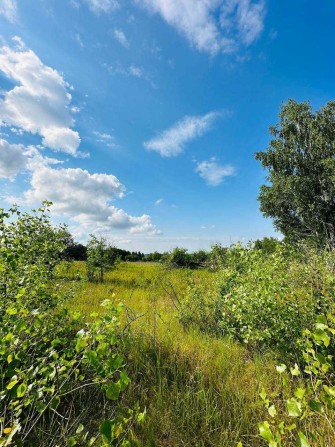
139,119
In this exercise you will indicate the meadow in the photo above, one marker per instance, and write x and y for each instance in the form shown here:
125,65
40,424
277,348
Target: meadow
197,388
235,351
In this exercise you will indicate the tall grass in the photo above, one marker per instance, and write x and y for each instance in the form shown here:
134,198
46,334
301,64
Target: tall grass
197,389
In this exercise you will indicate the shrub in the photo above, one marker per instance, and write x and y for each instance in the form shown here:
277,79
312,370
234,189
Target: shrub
50,359
100,258
264,299
310,411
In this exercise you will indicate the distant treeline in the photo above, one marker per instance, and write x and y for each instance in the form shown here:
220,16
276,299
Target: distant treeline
176,258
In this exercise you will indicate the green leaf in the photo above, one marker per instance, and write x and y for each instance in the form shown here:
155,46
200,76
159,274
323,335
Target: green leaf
300,392
295,371
281,368
106,430
21,390
80,429
263,394
71,442
113,391
329,390
11,384
266,433
321,319
124,381
293,407
321,335
141,416
315,405
81,344
302,440
272,411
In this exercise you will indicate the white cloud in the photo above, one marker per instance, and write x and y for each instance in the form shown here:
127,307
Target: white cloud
40,103
83,197
8,8
12,159
243,17
105,138
135,71
171,142
214,173
121,38
102,6
159,201
241,21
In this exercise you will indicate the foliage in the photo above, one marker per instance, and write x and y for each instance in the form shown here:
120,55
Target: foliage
154,257
180,258
301,164
100,258
50,359
267,244
313,401
75,251
262,299
217,257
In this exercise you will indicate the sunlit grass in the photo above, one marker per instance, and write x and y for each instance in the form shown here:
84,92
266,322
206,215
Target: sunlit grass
198,390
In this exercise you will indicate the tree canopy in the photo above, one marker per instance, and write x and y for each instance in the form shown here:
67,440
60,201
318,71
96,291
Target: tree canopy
300,193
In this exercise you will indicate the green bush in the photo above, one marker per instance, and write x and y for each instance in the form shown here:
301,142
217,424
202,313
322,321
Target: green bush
264,299
307,416
53,364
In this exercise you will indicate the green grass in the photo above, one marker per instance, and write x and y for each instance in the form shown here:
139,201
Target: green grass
198,390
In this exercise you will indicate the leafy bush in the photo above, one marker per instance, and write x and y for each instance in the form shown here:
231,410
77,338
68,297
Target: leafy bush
180,258
51,362
100,258
264,299
312,404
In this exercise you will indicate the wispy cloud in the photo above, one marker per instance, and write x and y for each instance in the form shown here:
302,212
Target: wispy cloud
102,6
135,71
41,102
159,201
171,142
213,172
120,36
8,8
105,138
240,21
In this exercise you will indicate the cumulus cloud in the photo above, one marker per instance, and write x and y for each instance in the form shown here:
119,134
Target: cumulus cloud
83,197
12,159
121,38
214,173
240,21
40,103
102,6
8,8
171,142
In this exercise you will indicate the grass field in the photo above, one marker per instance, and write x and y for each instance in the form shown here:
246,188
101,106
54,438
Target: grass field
197,390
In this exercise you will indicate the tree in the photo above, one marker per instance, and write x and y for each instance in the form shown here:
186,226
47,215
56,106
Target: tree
267,244
98,258
300,195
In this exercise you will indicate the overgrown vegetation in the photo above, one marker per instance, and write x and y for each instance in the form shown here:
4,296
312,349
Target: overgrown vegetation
235,346
52,362
264,299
